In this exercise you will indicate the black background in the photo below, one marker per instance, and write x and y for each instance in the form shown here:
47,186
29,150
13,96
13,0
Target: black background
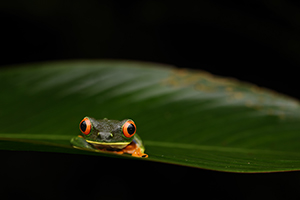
254,41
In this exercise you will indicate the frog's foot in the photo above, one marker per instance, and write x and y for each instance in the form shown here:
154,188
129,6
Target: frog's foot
138,153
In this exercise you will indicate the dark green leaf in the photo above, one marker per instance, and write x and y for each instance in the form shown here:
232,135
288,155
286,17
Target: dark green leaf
184,117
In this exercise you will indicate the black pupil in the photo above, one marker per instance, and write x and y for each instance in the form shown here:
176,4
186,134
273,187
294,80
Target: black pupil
131,129
83,126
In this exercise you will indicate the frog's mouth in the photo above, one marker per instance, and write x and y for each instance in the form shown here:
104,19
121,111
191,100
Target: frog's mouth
109,145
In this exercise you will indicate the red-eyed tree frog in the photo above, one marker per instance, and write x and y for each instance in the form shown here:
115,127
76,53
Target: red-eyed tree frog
109,135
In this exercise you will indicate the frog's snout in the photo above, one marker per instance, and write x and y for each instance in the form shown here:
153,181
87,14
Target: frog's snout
104,135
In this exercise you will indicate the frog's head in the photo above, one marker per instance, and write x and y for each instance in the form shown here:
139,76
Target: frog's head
106,133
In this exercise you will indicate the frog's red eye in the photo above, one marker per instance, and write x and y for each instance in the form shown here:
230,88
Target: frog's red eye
129,129
85,126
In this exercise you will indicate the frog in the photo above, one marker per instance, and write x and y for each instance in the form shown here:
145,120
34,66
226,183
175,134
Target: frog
109,136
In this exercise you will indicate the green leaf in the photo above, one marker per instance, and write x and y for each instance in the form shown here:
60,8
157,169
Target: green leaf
184,117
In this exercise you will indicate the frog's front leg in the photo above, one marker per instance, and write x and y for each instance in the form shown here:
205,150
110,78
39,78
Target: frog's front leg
136,148
80,143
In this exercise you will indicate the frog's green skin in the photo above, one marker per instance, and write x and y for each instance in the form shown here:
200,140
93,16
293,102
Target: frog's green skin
106,134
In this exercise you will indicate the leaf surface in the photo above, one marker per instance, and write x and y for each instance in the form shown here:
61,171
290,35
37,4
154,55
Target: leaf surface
184,117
